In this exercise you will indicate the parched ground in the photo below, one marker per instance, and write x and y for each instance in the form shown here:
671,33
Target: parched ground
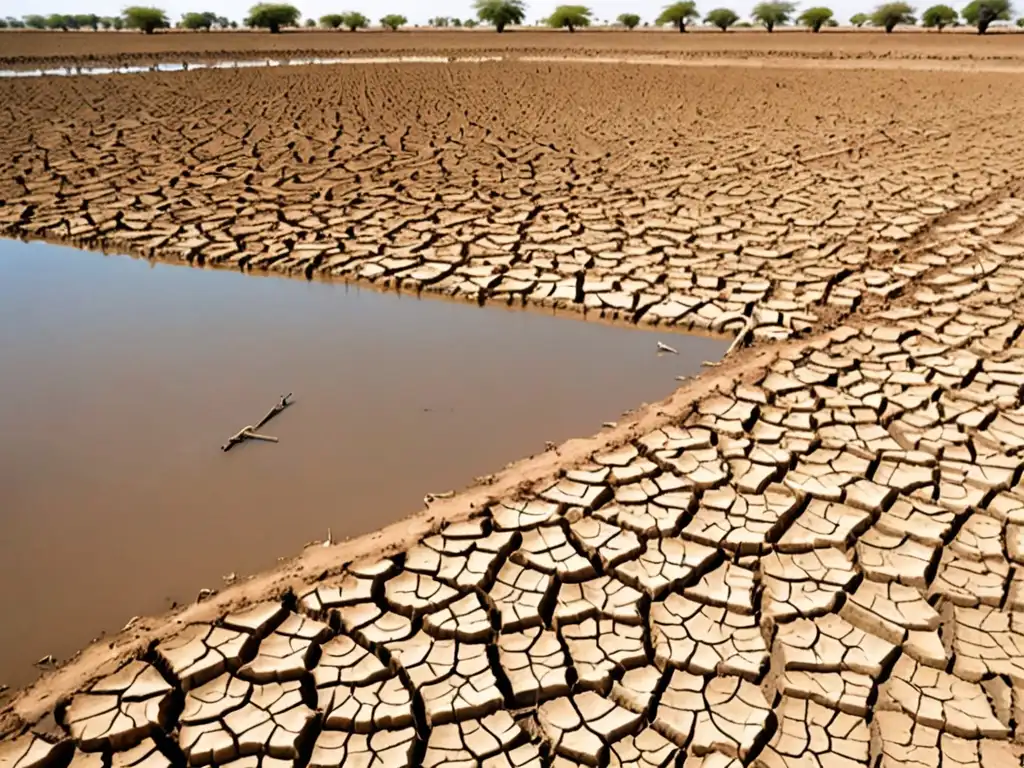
806,558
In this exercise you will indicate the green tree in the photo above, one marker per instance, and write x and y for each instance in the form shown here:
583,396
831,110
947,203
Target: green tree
501,13
456,22
891,14
723,18
14,23
195,20
35,21
393,21
939,16
149,20
569,17
629,20
815,18
273,16
60,21
981,13
679,14
772,14
859,19
438,21
470,23
309,23
354,20
117,22
1020,22
332,21
91,20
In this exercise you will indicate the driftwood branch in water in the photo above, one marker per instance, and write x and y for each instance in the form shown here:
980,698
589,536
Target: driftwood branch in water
250,433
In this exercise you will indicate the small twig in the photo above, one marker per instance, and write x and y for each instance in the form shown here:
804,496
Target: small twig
249,432
666,348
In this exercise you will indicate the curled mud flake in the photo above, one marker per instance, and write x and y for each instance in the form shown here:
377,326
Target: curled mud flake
722,714
549,550
121,710
845,691
937,699
523,515
729,586
577,494
370,624
824,524
257,620
609,543
885,557
904,742
647,749
454,679
816,736
740,522
472,741
383,704
380,749
413,594
636,689
228,718
806,584
535,665
344,662
465,561
287,652
603,597
201,652
889,610
968,582
520,596
32,751
582,727
466,619
706,639
665,564
830,644
349,589
146,755
600,647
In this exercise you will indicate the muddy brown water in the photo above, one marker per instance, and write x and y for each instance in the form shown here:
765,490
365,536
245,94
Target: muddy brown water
120,379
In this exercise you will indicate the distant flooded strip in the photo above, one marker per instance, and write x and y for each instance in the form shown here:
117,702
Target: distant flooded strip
765,62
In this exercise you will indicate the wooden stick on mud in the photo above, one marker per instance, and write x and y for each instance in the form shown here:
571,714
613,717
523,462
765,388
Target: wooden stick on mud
249,432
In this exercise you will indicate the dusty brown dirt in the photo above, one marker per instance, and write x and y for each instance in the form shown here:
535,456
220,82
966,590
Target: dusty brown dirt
68,48
824,530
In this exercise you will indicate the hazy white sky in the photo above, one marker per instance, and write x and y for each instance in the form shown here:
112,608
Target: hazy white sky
417,11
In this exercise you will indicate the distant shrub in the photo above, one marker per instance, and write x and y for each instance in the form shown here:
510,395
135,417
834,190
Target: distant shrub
204,20
570,17
149,20
891,14
393,21
859,19
772,14
678,14
354,20
981,13
939,16
629,20
273,16
723,18
500,13
815,18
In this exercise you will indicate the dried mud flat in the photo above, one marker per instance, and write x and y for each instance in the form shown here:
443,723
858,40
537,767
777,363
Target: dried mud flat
811,556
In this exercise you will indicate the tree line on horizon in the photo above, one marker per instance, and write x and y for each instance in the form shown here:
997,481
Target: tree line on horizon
505,13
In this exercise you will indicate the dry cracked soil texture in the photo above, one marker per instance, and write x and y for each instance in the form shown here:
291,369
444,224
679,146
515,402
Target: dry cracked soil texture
815,562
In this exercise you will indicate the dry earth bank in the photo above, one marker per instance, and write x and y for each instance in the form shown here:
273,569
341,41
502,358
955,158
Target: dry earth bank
814,552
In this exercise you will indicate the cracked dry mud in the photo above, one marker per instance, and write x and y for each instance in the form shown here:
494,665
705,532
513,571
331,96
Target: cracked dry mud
814,563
